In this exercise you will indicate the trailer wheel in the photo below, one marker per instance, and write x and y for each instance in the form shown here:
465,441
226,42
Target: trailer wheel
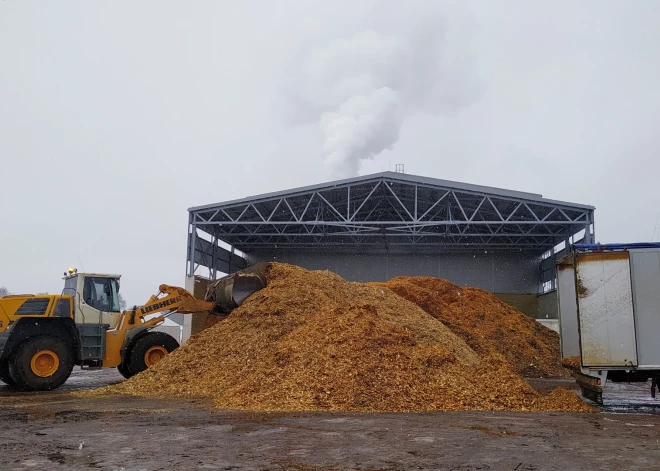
149,350
5,377
41,363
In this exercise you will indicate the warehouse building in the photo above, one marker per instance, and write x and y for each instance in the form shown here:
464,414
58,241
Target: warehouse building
375,227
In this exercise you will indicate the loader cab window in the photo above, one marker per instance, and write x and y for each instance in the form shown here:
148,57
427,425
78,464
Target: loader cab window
63,308
101,294
70,286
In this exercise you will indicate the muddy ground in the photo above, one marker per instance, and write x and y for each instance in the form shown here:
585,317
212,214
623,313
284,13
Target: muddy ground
52,431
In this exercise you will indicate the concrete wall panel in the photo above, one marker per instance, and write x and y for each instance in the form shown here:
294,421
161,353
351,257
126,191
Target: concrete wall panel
528,304
549,305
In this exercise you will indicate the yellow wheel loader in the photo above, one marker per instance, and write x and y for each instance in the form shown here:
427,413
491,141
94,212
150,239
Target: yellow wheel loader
43,337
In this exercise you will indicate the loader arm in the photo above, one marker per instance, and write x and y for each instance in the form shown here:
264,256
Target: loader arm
132,323
170,299
223,295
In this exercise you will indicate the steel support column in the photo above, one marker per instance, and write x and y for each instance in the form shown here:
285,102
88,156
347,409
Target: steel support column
590,232
213,270
192,238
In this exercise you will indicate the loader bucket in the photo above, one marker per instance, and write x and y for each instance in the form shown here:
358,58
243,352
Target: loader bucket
231,291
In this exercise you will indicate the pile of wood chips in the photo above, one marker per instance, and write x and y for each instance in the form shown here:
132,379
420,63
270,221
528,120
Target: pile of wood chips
312,341
563,399
572,363
488,325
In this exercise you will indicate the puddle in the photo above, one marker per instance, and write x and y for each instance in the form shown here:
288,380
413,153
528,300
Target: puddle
630,398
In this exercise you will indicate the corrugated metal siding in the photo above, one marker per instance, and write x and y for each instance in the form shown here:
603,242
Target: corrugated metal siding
497,272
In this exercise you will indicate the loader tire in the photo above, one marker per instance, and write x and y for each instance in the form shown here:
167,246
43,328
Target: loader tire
41,363
123,370
149,350
5,377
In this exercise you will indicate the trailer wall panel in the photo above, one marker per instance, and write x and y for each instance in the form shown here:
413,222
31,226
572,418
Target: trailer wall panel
607,325
568,312
645,265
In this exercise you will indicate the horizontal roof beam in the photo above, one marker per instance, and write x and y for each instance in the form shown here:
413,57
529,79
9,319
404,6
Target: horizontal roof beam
392,223
389,234
437,245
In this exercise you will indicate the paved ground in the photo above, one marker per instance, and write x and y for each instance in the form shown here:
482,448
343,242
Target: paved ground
51,431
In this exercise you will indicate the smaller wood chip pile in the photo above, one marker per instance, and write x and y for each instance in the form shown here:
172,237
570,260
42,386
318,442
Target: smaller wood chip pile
563,399
488,325
572,363
312,341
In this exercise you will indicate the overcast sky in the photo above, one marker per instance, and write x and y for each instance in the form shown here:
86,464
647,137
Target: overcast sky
115,117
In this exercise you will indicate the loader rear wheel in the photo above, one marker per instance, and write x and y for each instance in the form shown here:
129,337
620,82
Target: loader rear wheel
5,377
41,363
149,350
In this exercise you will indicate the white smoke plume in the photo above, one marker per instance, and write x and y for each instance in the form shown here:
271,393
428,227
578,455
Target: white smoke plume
361,88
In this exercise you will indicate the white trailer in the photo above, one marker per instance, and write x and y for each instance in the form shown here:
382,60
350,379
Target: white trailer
609,314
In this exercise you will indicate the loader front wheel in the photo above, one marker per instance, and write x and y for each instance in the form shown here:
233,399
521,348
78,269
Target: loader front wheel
123,370
149,350
41,363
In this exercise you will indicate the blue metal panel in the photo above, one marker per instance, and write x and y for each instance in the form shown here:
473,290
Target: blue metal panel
605,247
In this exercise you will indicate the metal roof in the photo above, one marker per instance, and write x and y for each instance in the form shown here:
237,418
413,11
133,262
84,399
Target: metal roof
98,275
402,177
390,209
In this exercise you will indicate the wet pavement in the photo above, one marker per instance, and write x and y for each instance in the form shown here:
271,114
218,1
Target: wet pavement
90,379
56,430
617,397
633,397
78,381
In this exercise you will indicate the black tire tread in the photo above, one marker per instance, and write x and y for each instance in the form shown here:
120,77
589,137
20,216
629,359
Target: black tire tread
123,370
19,365
142,344
5,377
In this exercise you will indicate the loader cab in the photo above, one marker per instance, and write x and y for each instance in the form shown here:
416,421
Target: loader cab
96,297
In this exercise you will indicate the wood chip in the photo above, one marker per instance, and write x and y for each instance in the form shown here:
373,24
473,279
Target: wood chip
312,341
572,363
486,324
